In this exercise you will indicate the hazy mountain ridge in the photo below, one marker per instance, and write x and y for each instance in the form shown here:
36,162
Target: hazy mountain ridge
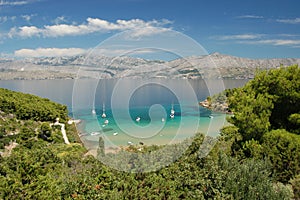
215,65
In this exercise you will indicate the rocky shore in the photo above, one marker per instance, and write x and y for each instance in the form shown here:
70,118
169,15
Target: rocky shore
216,106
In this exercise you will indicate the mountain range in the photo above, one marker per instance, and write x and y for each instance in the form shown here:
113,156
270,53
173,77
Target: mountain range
214,65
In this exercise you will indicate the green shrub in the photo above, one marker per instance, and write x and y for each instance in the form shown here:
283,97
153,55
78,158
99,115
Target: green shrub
283,150
296,186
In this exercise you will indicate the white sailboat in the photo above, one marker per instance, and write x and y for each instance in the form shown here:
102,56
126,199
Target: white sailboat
93,111
103,111
172,112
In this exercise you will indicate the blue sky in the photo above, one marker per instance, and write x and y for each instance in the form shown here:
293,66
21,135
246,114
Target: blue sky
249,28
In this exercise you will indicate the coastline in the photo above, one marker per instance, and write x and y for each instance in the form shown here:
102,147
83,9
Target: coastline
216,106
169,135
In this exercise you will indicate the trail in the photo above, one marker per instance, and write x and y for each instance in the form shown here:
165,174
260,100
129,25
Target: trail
63,130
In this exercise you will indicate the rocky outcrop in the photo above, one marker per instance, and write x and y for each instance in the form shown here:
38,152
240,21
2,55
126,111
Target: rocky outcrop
216,106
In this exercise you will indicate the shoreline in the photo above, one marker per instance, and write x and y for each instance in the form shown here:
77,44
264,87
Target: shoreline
117,143
218,107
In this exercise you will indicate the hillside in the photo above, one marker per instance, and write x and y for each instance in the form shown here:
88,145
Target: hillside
26,118
117,67
255,158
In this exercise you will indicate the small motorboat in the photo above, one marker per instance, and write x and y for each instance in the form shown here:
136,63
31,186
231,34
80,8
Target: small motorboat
138,119
95,133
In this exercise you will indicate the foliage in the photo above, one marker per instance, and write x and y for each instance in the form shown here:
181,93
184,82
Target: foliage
61,171
250,180
283,150
270,101
45,131
296,186
294,119
252,149
26,106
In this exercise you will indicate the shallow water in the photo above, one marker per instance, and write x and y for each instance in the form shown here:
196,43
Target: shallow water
128,99
173,130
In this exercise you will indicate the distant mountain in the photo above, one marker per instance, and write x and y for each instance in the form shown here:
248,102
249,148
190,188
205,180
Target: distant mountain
215,65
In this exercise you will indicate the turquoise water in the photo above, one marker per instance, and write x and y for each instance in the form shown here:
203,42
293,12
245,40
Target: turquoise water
126,100
182,126
151,102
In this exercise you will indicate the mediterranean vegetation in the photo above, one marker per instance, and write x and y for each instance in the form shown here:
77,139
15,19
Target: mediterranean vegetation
256,157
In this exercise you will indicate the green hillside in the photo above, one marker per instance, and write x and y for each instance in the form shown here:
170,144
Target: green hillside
27,106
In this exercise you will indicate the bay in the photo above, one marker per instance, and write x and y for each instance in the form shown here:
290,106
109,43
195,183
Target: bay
126,100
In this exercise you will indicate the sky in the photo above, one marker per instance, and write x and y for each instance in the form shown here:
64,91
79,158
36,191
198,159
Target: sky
248,28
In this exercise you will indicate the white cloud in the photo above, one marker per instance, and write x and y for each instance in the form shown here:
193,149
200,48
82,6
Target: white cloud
4,19
28,17
49,52
91,26
250,17
288,35
239,37
24,31
13,3
59,20
289,21
147,31
121,51
290,40
275,42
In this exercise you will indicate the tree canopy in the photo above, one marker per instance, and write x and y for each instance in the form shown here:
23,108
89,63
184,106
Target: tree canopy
27,106
270,101
267,120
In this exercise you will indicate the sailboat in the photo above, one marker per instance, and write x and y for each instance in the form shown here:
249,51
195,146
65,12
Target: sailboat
103,112
93,111
172,112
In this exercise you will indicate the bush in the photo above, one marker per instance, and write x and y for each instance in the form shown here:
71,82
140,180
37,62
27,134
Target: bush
283,150
251,180
270,101
296,186
252,149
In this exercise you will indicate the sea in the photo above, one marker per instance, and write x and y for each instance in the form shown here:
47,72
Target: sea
138,111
